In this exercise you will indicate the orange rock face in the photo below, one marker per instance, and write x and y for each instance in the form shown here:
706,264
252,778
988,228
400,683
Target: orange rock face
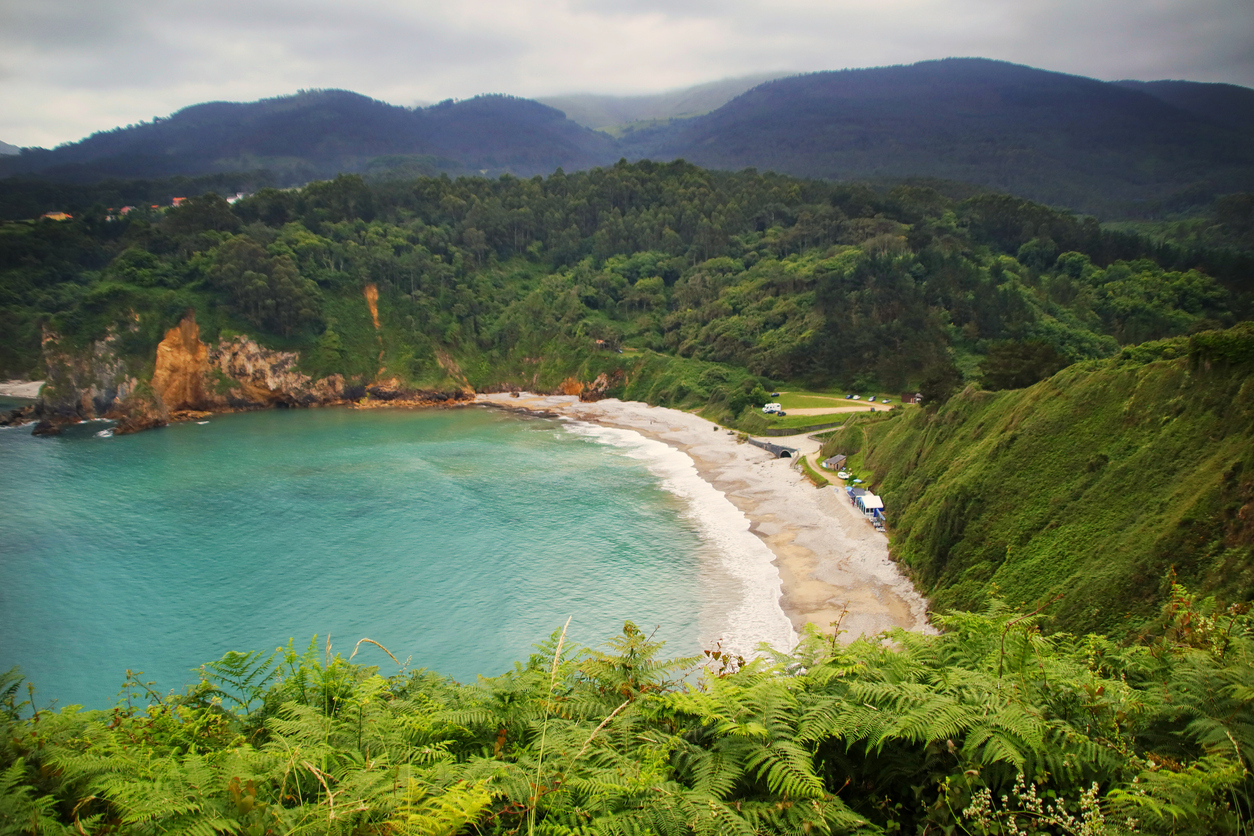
570,386
372,299
182,364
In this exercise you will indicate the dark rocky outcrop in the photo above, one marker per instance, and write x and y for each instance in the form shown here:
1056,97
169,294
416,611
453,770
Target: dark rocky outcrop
17,417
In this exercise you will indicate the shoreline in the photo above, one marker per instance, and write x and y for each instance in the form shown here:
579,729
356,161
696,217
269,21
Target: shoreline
828,557
832,565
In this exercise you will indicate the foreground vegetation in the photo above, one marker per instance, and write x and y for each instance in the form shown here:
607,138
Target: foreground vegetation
990,727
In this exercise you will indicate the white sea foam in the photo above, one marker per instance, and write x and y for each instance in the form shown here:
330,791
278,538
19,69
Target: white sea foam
105,434
745,583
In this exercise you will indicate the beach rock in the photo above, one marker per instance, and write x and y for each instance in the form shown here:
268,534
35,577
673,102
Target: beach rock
46,428
596,390
18,417
138,421
388,390
415,398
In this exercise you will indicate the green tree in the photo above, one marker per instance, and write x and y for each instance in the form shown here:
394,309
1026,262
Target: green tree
940,381
269,292
1014,365
207,213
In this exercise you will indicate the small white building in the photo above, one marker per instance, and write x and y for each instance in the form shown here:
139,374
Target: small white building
869,503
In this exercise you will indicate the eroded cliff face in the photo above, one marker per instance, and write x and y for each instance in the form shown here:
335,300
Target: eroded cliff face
234,374
182,366
252,376
94,382
189,379
84,383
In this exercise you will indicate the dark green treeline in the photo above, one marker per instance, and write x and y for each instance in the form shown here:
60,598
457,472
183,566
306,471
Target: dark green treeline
784,279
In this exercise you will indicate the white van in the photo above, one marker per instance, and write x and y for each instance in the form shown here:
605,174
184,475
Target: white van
770,408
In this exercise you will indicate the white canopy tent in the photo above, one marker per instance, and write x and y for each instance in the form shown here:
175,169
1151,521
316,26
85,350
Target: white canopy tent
870,502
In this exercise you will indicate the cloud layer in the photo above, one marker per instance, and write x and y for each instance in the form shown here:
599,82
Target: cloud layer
71,67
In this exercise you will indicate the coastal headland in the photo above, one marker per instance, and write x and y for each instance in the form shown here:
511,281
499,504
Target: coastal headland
834,568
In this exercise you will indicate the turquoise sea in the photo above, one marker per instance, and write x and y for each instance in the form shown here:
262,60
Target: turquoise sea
456,538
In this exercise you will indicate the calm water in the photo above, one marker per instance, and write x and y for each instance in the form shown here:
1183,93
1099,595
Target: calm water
456,538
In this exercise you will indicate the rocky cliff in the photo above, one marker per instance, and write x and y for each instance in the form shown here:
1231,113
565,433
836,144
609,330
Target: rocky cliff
84,383
191,378
235,374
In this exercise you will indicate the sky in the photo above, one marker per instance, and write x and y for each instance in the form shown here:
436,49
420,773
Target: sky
72,67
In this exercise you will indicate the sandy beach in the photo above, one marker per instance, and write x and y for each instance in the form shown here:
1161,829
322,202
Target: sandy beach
830,559
20,388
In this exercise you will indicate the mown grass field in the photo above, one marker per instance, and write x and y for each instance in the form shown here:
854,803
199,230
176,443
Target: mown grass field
800,422
802,399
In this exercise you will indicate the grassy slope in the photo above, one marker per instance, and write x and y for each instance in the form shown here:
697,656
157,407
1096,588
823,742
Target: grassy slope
1092,484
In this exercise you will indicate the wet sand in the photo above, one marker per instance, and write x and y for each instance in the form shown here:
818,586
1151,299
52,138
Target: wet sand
831,561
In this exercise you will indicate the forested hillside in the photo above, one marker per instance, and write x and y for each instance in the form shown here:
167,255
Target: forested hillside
608,112
518,279
1092,491
1226,104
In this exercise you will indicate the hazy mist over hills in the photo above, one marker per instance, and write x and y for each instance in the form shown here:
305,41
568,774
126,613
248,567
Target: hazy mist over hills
601,112
1112,149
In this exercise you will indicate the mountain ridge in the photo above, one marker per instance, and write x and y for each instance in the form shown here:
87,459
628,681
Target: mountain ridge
1046,136
1105,148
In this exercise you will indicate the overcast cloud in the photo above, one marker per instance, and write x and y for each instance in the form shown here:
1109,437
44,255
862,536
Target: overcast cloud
71,67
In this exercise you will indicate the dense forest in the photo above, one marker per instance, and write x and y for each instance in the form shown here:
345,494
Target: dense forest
784,279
